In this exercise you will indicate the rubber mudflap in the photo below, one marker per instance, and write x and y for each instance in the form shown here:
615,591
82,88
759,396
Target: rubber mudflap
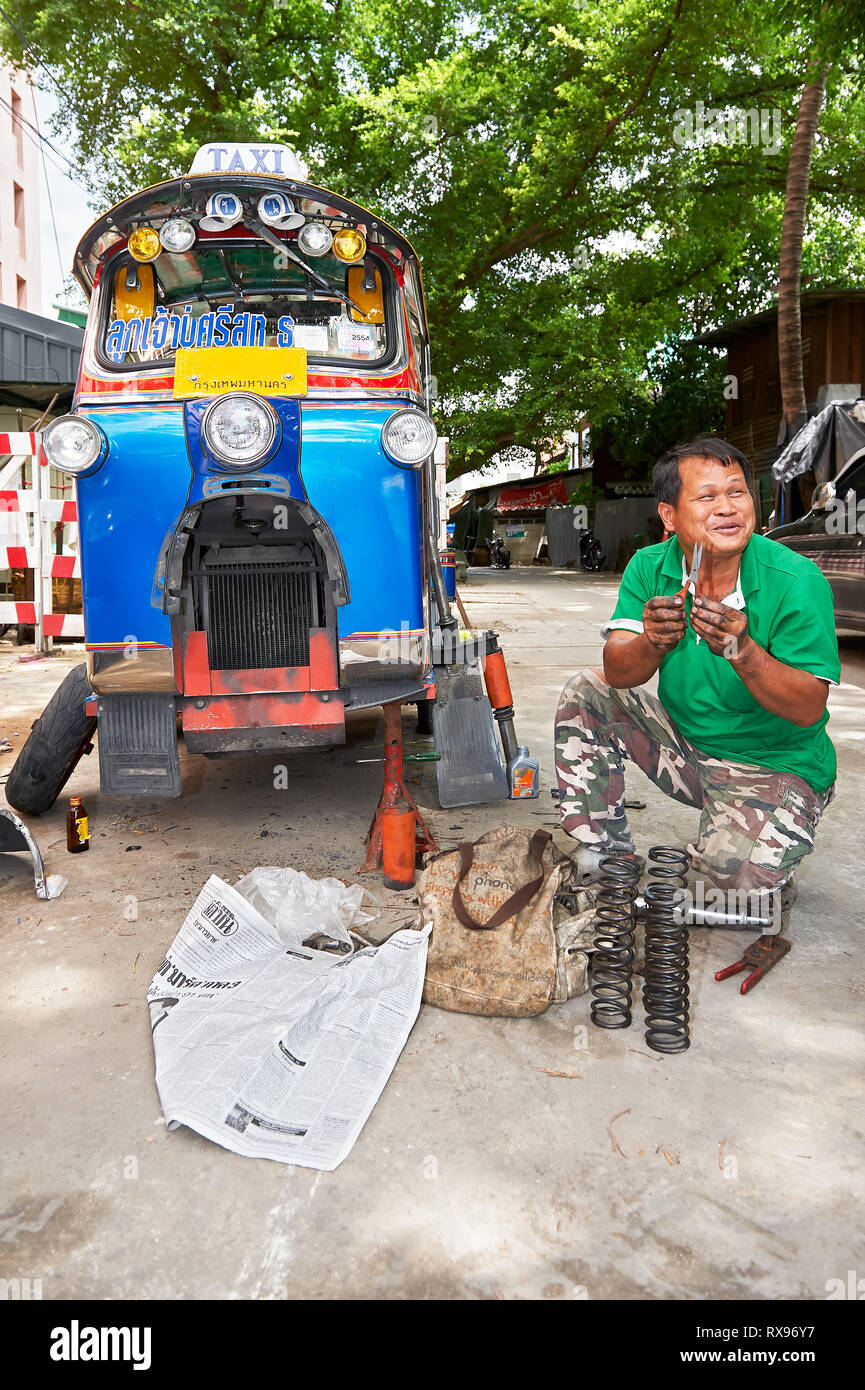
471,767
138,746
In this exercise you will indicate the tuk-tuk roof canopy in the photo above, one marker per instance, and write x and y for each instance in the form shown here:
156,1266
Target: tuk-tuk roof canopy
187,195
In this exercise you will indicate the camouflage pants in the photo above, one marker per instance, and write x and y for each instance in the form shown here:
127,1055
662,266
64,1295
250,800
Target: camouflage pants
755,824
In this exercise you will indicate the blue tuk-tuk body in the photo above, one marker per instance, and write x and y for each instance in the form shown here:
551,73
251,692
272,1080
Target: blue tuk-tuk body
253,453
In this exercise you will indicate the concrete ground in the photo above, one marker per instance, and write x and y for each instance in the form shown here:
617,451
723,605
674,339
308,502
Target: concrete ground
731,1171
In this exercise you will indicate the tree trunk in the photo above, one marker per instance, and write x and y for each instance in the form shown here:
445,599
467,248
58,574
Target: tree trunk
791,376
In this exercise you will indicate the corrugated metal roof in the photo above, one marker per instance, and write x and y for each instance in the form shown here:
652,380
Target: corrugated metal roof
37,351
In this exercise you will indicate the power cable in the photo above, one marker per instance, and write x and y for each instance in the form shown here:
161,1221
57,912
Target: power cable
23,121
26,132
27,46
63,291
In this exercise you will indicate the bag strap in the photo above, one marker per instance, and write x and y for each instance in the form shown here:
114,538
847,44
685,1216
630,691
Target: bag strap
515,903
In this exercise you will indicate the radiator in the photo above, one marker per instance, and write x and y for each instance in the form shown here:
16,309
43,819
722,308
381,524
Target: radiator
257,612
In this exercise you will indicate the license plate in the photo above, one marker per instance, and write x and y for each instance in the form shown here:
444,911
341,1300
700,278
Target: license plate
214,371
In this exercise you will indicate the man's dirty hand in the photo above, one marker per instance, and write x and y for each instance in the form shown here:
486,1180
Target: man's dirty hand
664,621
723,629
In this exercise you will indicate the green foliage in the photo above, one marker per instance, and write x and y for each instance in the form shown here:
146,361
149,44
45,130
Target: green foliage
682,396
585,494
534,151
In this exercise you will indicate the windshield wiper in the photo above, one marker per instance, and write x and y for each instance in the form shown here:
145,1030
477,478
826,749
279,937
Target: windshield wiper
233,280
320,280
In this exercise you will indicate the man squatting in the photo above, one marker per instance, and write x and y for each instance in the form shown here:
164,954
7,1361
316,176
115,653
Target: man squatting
738,728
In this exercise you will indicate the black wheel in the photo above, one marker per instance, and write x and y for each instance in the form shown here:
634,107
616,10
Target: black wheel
424,718
56,742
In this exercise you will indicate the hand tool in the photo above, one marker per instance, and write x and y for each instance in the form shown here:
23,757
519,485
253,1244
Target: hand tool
694,576
761,955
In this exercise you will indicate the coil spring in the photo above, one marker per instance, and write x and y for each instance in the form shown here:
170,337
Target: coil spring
612,968
665,983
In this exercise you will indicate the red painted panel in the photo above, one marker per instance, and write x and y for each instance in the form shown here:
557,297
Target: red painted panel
323,663
196,666
265,680
263,711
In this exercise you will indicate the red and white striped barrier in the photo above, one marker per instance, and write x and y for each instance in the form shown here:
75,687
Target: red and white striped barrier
24,557
25,510
49,508
19,443
53,624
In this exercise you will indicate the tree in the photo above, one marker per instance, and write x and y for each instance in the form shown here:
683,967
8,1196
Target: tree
536,152
791,376
838,31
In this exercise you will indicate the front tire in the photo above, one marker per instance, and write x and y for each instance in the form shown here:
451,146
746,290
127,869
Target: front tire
56,742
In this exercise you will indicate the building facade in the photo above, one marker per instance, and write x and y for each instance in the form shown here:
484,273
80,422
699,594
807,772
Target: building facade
20,256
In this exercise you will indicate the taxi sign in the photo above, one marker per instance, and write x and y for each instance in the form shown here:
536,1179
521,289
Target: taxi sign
215,371
222,157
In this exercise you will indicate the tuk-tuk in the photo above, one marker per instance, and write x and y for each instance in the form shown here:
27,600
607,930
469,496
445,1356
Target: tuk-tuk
252,446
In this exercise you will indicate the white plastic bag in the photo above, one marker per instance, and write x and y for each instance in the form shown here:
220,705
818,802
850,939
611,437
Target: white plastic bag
299,906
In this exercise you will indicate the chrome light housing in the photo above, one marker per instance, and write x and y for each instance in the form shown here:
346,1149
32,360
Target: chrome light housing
177,234
239,429
73,443
408,437
315,239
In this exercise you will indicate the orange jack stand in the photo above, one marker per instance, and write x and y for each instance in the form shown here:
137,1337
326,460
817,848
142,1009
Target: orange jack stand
394,792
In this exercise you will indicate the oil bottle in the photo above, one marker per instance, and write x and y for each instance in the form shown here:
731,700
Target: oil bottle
523,774
77,826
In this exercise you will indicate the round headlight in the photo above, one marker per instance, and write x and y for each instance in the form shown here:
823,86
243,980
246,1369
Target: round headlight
72,443
408,437
315,239
177,234
239,429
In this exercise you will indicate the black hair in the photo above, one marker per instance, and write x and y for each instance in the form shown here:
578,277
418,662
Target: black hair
666,478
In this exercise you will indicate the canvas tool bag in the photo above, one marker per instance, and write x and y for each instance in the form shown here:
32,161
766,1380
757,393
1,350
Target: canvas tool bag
501,944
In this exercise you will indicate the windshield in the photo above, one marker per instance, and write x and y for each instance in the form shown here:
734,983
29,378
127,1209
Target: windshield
244,294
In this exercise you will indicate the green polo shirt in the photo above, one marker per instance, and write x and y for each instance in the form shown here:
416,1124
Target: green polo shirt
789,608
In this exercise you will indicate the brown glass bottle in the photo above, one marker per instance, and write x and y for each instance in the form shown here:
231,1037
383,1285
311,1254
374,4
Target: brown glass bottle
77,827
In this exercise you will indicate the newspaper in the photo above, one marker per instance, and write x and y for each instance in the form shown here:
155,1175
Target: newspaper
274,1052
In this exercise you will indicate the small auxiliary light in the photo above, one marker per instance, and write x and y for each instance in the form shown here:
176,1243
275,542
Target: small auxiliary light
144,244
315,239
177,234
349,245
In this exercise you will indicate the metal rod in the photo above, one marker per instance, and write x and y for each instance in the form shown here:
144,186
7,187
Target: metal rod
714,917
446,617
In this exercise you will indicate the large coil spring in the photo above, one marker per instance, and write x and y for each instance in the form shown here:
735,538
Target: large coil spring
612,967
665,982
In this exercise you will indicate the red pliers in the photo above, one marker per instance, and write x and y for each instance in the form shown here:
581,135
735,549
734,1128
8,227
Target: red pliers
761,955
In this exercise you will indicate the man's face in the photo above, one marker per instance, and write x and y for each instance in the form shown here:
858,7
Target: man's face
714,507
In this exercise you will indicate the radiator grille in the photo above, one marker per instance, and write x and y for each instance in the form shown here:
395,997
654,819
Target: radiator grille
259,615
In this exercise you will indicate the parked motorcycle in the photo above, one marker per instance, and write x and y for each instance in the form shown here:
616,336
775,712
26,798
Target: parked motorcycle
592,556
500,556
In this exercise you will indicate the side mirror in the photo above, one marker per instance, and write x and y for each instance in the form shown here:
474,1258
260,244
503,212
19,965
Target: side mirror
822,497
366,291
134,292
